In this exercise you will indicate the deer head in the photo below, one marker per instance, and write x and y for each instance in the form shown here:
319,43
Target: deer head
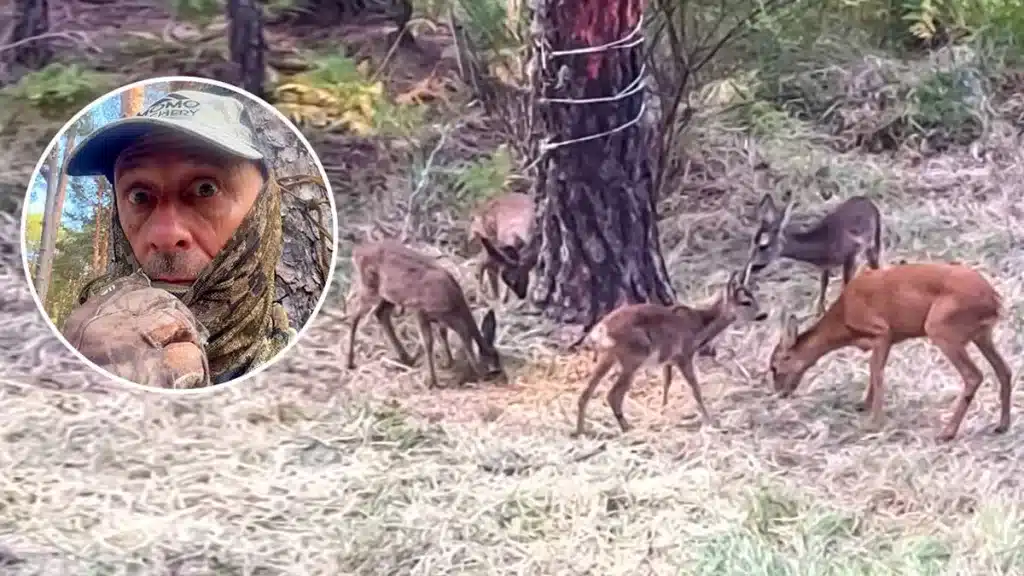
767,242
740,300
786,366
490,361
514,269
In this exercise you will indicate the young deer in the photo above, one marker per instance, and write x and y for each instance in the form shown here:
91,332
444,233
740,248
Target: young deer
640,335
389,275
837,239
503,225
949,304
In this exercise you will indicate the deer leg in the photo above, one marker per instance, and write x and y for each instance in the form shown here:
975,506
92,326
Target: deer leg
825,273
604,364
467,344
383,313
873,256
442,331
686,367
944,328
357,315
876,383
988,349
849,268
427,335
481,272
504,292
618,393
492,275
972,377
666,377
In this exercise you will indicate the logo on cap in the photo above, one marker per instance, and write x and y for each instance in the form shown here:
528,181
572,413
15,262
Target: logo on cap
172,106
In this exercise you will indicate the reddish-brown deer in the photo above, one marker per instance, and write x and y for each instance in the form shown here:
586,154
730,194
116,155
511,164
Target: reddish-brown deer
639,335
503,225
389,275
950,304
852,228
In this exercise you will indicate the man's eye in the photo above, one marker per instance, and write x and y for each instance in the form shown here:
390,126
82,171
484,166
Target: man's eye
138,196
205,188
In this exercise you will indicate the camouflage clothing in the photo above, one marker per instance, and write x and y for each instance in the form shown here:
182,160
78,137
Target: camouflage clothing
229,312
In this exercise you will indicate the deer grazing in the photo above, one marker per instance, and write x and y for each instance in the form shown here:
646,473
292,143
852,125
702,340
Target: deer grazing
837,239
389,275
639,335
503,226
950,304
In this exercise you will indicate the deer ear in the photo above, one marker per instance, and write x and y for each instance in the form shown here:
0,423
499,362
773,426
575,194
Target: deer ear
787,211
488,327
745,278
494,252
789,329
732,284
766,208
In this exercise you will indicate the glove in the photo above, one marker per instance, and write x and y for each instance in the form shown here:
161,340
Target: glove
140,333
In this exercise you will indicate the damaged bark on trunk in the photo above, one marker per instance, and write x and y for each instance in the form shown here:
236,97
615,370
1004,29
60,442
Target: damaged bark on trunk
597,221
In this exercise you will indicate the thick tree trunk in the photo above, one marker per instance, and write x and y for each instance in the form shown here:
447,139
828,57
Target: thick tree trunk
598,220
31,18
306,211
248,47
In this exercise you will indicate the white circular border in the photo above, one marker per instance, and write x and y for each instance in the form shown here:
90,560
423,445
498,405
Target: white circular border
187,391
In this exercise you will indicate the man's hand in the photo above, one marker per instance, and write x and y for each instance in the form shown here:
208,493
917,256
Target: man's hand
142,334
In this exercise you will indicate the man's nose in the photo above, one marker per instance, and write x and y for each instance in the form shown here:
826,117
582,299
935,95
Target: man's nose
167,230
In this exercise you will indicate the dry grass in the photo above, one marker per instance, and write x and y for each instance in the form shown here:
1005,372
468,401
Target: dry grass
309,469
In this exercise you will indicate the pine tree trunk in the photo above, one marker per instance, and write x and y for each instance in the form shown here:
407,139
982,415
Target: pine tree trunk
598,220
31,18
307,226
248,48
101,220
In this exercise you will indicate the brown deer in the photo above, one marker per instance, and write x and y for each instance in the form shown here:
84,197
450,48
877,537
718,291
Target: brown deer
950,304
837,239
389,275
503,226
640,335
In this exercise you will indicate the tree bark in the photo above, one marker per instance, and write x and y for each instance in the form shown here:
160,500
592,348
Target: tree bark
597,220
306,218
248,47
55,195
48,235
101,221
31,18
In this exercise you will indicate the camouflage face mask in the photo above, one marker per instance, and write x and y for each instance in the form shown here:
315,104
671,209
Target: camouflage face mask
233,298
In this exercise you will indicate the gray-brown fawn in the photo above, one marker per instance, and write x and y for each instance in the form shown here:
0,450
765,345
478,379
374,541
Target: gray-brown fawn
389,275
950,304
852,228
640,335
503,225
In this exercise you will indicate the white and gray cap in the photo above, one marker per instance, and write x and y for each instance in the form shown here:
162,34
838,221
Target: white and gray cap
210,118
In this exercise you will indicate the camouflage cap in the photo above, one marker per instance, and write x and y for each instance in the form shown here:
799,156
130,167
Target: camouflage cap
209,118
142,334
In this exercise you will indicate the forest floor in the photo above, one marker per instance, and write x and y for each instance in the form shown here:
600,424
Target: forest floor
311,469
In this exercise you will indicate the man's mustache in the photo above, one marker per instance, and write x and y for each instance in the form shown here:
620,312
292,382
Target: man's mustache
176,265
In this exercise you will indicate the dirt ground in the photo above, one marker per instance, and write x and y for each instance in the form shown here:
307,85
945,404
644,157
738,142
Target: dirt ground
311,469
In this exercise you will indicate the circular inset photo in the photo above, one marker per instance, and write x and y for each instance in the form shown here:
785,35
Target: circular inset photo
179,234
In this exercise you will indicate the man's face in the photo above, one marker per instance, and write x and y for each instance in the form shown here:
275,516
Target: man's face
179,203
